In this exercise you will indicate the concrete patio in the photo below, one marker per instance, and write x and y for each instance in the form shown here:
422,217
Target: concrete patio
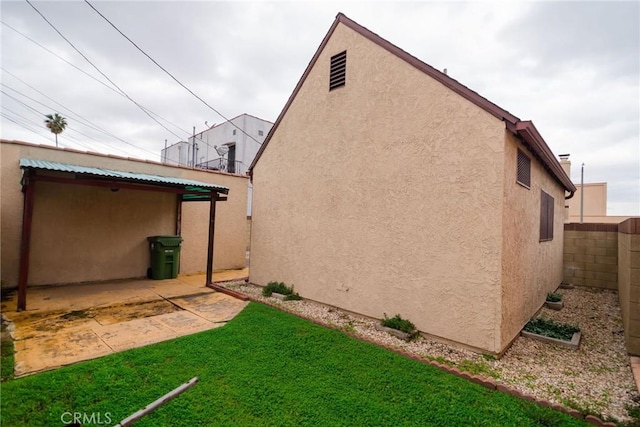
67,324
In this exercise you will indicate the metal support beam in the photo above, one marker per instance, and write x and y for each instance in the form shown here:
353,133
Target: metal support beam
28,187
212,231
179,215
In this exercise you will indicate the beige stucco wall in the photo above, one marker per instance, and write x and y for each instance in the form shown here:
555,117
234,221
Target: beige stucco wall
629,284
89,233
530,268
595,200
385,197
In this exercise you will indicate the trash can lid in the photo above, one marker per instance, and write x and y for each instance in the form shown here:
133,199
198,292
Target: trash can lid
166,240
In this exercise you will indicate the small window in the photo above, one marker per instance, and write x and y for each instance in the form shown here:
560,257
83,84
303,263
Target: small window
546,216
234,131
260,133
524,169
338,71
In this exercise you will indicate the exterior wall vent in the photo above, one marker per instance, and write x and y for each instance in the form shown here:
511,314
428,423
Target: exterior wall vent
524,169
338,71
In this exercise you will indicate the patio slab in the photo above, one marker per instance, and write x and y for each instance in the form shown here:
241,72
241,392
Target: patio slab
214,307
67,324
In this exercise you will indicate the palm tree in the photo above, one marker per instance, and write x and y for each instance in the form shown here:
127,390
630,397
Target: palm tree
56,123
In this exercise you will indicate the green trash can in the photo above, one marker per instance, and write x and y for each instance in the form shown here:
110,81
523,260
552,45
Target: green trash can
165,256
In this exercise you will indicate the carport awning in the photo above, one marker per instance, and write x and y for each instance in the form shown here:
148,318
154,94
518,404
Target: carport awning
190,190
185,189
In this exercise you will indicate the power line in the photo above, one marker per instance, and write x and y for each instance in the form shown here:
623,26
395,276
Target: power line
98,69
89,75
170,75
26,121
79,118
69,129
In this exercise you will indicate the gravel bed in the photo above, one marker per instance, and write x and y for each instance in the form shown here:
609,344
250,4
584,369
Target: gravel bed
595,379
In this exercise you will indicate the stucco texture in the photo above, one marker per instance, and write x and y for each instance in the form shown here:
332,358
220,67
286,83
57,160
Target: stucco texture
385,196
530,268
84,234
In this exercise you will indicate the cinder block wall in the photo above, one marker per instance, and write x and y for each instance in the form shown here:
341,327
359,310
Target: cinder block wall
629,281
591,255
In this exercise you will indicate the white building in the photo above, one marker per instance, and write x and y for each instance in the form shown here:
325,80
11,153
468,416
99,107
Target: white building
229,146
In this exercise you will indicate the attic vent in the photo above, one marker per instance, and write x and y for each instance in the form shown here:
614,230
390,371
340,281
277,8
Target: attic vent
338,72
524,169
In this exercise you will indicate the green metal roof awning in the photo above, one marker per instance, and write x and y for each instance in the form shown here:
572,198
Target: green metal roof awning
192,190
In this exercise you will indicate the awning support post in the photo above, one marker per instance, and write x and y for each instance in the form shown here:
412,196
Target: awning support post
212,231
215,197
179,216
28,186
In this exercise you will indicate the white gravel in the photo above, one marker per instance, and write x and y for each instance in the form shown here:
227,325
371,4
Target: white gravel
595,379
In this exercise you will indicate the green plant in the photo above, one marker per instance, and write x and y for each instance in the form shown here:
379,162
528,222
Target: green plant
280,288
554,297
293,296
551,329
397,322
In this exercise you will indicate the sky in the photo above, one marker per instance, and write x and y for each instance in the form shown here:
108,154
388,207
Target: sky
571,67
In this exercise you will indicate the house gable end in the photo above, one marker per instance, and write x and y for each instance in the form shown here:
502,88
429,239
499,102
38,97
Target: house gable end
513,123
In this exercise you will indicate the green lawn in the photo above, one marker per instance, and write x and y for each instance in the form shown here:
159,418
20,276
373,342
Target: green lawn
266,368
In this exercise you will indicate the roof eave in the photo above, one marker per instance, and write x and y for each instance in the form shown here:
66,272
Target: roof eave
528,132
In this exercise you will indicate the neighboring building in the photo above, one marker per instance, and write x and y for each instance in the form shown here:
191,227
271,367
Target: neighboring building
594,205
386,186
92,215
241,137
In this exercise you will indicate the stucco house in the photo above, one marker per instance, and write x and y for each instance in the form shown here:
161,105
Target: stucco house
69,216
386,186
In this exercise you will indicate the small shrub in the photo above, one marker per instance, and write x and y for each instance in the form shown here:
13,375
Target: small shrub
280,288
397,322
277,287
551,329
554,297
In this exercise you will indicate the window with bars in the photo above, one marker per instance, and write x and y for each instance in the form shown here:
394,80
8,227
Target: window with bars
524,169
546,216
338,71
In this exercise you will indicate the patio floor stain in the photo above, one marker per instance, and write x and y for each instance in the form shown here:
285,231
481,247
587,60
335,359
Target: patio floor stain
137,313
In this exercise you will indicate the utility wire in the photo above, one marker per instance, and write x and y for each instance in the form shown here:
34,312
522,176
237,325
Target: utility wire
26,122
170,75
69,129
101,73
89,75
79,118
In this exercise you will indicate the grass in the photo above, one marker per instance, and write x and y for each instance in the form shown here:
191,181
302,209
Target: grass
551,329
6,361
267,367
478,368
